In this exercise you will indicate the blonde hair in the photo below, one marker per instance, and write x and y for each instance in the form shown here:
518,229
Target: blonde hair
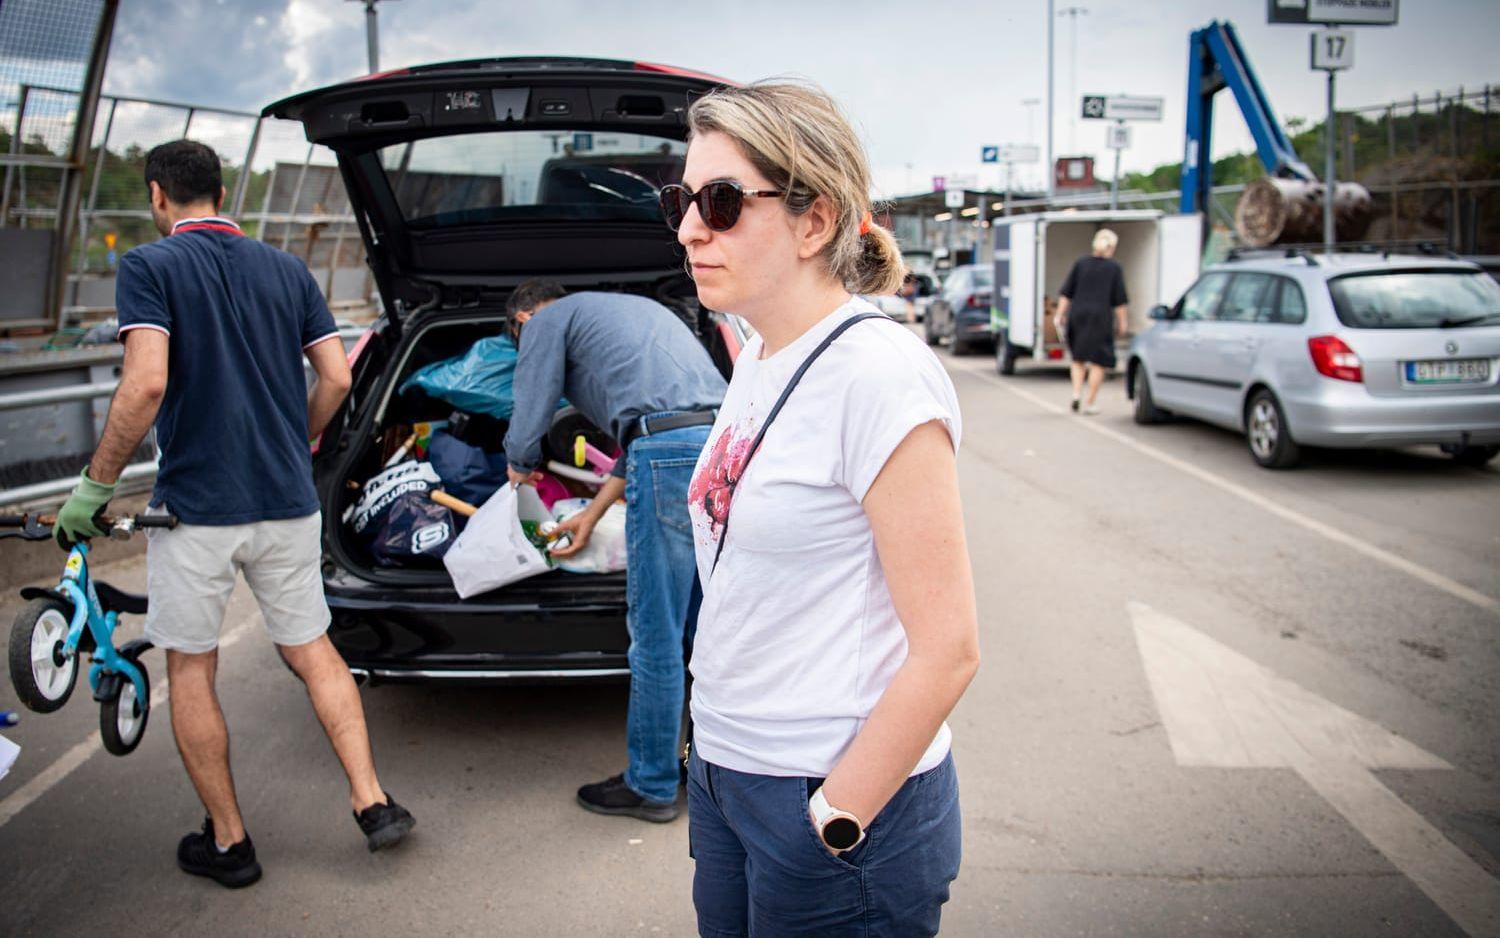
800,140
1105,241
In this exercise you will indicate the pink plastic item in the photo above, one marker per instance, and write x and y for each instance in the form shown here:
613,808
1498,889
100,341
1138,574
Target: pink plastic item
551,490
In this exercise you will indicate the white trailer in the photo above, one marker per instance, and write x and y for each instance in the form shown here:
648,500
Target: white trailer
1033,254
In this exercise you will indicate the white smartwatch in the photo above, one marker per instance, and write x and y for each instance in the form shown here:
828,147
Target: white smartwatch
840,830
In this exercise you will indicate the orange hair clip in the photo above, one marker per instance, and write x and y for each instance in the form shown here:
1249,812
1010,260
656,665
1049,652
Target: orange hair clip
864,224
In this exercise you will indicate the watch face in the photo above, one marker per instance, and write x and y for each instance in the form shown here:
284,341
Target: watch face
841,833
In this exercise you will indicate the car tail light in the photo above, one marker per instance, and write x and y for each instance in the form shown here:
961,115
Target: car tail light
1334,359
978,301
1054,354
683,72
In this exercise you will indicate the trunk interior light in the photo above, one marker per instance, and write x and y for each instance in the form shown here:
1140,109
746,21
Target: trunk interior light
1334,359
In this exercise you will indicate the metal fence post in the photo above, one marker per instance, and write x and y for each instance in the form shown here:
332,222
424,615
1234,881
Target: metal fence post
1390,150
265,204
68,187
1458,117
291,211
15,149
237,204
87,213
1416,110
1455,219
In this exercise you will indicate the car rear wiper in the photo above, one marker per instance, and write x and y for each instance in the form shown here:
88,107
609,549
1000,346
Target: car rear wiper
1467,321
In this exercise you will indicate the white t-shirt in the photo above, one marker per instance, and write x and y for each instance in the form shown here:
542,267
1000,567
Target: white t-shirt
798,636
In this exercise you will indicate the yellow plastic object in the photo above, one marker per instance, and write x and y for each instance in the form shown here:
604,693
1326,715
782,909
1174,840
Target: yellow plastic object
580,451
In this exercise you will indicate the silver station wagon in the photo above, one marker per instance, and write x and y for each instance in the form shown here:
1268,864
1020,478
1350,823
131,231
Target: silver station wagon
1362,350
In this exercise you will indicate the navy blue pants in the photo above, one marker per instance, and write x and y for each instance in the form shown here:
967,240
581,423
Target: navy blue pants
762,870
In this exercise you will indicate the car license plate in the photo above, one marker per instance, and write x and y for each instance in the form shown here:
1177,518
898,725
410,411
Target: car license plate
1452,371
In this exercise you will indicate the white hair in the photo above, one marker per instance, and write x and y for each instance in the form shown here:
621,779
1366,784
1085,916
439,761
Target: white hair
1105,241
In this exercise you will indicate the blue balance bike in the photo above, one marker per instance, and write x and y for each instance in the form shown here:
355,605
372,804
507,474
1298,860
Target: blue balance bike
80,614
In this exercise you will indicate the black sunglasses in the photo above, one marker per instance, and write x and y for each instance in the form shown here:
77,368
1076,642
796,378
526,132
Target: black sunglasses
718,202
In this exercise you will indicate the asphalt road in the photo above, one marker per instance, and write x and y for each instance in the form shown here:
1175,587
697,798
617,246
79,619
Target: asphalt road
1363,587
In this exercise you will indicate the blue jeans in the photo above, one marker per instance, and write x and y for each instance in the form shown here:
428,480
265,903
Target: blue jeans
762,870
661,572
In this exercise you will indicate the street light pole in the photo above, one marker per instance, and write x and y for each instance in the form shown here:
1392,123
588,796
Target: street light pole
1073,13
372,34
1049,169
1030,105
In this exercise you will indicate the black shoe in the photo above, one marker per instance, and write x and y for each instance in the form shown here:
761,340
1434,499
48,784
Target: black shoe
613,796
199,854
384,824
1075,405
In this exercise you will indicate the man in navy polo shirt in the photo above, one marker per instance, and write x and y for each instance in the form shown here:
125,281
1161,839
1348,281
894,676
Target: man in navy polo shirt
215,326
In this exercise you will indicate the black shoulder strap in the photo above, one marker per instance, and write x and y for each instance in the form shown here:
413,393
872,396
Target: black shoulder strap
771,417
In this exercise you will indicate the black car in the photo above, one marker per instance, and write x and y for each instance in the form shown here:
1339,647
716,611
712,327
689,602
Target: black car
467,179
961,311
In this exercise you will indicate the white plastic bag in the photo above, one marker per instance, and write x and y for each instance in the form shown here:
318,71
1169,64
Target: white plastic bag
493,549
605,551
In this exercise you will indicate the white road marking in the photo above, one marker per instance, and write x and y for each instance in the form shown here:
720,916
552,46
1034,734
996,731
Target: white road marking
63,766
1429,576
1223,710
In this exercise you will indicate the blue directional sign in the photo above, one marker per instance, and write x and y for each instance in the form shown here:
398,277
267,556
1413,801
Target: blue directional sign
582,142
989,154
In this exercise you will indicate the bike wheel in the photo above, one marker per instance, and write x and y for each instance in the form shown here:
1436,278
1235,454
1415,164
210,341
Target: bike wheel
41,674
123,715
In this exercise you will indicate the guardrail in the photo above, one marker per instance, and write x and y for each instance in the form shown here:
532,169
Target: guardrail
86,392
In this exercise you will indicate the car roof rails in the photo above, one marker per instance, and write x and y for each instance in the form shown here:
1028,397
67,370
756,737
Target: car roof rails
1275,250
1309,251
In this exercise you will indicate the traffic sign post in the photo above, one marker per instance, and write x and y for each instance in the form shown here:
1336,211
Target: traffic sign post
1119,139
1332,52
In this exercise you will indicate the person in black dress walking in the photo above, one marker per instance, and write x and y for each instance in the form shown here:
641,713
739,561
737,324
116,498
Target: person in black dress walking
1090,313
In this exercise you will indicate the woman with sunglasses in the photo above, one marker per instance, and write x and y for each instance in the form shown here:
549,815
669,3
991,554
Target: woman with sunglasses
838,627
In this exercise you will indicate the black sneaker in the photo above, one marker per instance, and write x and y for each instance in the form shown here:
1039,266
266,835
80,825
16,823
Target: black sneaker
613,796
384,824
199,854
1075,405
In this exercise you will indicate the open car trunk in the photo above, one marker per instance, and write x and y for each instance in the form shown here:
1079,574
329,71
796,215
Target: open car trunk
379,412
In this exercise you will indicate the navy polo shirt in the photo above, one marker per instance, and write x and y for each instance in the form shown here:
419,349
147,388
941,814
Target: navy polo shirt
233,424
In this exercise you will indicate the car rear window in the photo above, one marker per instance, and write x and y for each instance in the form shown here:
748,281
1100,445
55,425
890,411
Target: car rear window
531,174
984,277
1415,299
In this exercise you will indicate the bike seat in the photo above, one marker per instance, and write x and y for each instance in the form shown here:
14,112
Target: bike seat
114,599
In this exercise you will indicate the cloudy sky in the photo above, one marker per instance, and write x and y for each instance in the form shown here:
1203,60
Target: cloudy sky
928,83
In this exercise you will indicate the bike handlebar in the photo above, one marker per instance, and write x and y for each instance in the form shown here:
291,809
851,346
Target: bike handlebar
39,527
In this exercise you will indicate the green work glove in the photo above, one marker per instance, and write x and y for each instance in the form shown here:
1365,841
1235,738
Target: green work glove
78,518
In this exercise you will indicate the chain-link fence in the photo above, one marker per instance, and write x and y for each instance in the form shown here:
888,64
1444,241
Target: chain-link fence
1432,164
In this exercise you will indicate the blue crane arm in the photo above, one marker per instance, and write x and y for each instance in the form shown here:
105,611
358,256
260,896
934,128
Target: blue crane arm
1216,60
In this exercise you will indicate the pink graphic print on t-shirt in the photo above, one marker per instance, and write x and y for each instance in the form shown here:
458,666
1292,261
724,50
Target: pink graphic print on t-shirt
712,488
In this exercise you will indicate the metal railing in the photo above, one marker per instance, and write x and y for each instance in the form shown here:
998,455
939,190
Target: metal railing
131,124
42,397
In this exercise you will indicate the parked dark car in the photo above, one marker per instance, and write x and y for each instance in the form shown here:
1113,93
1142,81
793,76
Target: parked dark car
960,314
468,178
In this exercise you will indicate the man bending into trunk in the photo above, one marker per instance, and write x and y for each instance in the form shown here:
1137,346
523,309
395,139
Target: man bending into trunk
215,326
638,373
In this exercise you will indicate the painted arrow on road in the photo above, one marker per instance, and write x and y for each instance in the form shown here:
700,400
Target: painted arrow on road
1223,710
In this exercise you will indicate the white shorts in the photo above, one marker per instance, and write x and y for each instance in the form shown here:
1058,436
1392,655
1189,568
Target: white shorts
191,569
